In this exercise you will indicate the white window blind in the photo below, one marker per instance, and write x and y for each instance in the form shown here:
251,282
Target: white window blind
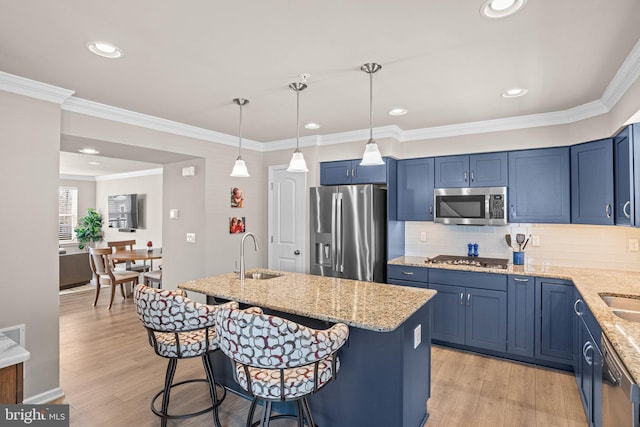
67,213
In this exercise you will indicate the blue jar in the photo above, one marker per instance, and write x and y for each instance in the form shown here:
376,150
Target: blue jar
470,249
475,249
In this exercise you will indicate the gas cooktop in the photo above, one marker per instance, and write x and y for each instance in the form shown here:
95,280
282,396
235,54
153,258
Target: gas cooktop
471,261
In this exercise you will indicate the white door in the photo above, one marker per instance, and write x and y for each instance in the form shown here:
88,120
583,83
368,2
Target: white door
287,218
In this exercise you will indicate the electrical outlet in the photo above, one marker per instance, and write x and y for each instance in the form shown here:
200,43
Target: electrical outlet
191,237
423,236
633,245
417,336
535,241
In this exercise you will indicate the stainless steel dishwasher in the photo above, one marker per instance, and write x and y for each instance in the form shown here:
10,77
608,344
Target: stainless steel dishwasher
620,395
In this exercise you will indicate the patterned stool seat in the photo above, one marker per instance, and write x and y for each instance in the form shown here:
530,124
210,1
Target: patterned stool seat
278,359
179,328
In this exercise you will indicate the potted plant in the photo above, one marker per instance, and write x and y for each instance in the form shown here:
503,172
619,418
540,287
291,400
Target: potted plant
89,229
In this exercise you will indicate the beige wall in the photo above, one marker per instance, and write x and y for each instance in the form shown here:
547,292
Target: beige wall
151,187
29,169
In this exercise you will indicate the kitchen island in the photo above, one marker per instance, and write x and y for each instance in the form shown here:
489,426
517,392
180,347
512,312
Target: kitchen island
385,367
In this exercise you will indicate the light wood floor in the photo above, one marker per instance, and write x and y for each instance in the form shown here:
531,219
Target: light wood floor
109,374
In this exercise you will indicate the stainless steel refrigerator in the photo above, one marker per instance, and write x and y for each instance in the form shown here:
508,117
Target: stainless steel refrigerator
348,232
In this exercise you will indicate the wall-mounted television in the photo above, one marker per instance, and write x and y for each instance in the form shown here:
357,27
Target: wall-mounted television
127,212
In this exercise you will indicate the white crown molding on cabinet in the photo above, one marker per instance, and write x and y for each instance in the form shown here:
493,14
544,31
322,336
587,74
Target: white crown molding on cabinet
626,75
148,172
78,177
33,89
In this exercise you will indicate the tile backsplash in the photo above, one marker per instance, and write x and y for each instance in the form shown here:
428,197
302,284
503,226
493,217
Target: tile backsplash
569,245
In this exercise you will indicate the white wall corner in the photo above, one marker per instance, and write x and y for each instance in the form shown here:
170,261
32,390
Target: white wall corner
33,89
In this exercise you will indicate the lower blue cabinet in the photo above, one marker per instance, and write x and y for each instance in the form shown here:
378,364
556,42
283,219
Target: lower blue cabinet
554,320
521,315
470,316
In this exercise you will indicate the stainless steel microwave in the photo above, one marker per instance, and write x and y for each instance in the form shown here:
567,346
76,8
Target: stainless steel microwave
471,206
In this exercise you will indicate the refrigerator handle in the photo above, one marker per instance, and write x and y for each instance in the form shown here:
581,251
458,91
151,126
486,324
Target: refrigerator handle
334,246
340,253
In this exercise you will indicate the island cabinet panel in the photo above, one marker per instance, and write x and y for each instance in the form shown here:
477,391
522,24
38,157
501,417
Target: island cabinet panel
472,170
554,320
470,308
521,316
345,172
592,183
539,186
11,383
415,189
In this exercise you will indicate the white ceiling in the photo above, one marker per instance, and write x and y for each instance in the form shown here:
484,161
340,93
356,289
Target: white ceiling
443,61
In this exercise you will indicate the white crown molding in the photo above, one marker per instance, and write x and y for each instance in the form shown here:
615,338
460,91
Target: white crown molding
148,172
78,177
103,111
626,75
33,89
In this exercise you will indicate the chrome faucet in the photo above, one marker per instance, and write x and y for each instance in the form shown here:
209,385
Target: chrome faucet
242,263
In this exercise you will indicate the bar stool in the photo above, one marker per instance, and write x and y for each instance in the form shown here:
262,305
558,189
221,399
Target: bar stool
180,328
279,360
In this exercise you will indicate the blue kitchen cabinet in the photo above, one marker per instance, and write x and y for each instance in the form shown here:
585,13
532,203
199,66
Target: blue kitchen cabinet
415,179
408,275
588,361
448,314
623,150
592,179
554,321
521,315
345,172
472,170
470,309
539,186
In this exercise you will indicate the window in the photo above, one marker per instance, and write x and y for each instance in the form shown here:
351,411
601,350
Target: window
67,213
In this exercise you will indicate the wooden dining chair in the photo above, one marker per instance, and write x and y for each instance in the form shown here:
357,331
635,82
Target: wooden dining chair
105,275
120,246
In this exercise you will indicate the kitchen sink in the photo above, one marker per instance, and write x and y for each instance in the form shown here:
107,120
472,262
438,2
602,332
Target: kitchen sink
261,275
627,308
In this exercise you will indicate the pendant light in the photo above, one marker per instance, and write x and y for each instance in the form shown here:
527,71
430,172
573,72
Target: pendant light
371,154
297,163
240,168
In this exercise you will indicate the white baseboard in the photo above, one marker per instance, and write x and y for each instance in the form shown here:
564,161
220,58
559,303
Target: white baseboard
46,397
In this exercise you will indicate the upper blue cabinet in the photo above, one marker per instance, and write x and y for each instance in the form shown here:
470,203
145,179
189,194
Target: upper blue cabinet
347,172
415,189
626,183
473,170
539,186
592,183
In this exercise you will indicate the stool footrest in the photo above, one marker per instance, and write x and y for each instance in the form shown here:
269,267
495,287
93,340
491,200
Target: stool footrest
193,414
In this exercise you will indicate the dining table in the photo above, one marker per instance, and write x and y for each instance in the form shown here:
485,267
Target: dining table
143,255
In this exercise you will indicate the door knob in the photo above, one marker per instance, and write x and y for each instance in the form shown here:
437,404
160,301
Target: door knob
296,252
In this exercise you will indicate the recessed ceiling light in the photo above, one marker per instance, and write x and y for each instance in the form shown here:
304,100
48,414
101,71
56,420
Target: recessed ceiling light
514,92
312,125
94,163
398,111
105,49
89,151
501,8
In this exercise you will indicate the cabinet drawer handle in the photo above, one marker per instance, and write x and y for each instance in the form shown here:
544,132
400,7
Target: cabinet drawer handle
408,273
465,176
468,300
353,172
624,209
347,172
430,209
585,348
471,176
517,279
607,210
575,307
461,298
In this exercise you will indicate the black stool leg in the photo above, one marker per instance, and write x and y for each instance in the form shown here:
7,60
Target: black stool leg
300,412
168,380
266,414
208,369
252,411
307,408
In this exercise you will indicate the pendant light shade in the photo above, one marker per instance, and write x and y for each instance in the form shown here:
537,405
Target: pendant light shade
297,163
240,168
371,154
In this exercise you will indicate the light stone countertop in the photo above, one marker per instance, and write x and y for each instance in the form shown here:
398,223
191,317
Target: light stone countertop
366,305
11,353
623,334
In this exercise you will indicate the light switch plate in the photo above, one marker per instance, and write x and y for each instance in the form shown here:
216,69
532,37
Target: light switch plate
423,236
174,213
535,241
633,245
417,336
191,237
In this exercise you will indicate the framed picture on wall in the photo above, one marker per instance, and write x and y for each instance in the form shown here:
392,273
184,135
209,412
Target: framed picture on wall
237,197
237,224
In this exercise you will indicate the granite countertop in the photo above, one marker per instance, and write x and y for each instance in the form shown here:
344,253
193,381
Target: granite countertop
366,305
623,334
10,352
